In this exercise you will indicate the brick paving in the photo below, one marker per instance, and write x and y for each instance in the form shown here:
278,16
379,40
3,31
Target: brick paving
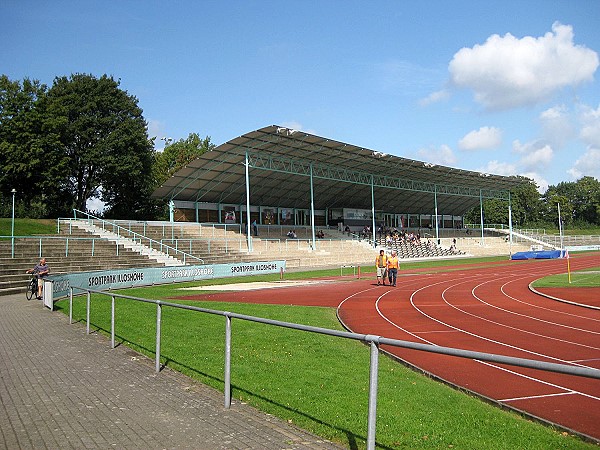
61,389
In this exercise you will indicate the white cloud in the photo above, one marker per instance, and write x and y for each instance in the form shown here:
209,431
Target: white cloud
541,182
435,97
556,125
534,155
443,155
590,126
587,165
507,72
496,167
293,125
484,138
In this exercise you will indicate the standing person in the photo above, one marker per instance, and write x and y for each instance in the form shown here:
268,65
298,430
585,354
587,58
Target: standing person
255,228
392,268
41,271
381,265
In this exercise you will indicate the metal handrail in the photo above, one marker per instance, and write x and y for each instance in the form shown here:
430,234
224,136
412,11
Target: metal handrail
144,240
374,342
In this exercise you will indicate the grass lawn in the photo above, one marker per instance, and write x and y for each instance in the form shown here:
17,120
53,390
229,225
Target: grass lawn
582,278
27,227
320,383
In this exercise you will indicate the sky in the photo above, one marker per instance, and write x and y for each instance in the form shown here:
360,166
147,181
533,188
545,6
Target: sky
502,87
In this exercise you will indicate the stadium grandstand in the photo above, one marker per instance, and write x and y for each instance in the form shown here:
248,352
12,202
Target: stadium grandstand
288,180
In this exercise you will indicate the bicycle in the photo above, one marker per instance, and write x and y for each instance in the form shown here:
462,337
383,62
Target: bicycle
32,288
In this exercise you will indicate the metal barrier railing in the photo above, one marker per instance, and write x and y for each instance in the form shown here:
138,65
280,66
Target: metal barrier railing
374,342
44,241
136,237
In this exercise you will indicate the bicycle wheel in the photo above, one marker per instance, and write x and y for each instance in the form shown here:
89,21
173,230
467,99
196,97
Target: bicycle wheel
31,289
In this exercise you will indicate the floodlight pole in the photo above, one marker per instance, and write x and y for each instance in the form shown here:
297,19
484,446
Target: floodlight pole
12,228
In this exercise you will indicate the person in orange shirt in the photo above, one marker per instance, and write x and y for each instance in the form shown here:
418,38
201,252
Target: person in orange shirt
392,268
381,265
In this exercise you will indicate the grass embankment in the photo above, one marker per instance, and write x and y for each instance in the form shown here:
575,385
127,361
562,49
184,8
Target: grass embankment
28,227
317,382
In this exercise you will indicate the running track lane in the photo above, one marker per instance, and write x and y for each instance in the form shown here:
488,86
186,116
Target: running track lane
492,310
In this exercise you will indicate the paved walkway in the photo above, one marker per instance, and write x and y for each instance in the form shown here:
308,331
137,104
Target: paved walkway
61,388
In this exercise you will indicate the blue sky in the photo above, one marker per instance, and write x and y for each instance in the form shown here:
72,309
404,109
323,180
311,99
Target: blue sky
504,87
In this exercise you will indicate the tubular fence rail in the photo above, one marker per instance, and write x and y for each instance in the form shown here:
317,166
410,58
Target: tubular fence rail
372,340
136,237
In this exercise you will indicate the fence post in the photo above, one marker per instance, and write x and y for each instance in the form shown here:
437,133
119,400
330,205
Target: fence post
112,322
87,313
227,375
70,305
158,320
374,369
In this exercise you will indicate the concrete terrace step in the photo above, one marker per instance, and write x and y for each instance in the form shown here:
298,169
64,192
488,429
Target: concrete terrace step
131,244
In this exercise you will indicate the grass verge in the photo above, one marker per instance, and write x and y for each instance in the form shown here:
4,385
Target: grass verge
27,227
319,383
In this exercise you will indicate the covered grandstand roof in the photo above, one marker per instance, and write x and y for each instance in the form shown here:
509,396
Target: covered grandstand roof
282,162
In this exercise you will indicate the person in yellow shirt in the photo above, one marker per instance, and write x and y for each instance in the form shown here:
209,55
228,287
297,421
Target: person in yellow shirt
392,268
381,265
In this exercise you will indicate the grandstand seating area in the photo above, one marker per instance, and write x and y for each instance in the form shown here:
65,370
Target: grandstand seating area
87,245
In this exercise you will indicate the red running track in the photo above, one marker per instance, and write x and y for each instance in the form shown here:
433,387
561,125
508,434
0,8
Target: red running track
481,308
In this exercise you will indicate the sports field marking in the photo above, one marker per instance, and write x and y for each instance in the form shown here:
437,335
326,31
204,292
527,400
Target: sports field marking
556,311
255,285
534,397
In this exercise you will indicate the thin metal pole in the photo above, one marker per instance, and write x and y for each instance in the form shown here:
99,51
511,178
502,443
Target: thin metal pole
510,228
158,320
247,164
112,322
312,208
12,232
481,214
87,313
373,213
70,305
374,369
437,226
227,376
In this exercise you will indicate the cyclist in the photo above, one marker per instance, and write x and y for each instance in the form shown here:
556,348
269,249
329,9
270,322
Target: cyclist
41,271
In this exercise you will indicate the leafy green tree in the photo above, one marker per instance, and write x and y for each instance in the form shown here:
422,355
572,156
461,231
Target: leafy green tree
526,203
526,206
177,155
102,134
28,156
583,197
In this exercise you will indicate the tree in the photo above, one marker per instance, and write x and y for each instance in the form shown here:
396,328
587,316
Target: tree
102,134
177,155
27,154
526,203
583,197
526,206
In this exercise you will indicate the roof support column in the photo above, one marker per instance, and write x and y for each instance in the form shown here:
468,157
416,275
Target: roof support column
247,164
510,228
437,226
373,211
312,208
481,213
